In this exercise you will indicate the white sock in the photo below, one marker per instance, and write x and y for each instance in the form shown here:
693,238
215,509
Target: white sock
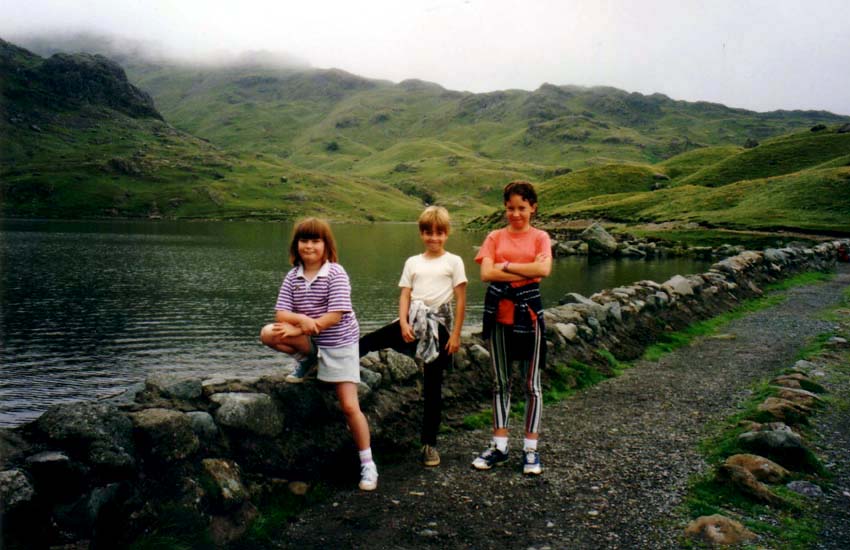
529,444
501,443
366,456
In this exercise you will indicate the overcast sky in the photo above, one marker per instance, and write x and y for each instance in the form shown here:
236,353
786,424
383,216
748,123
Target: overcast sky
756,54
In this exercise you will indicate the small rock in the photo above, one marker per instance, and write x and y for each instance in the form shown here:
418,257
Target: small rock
229,490
598,240
479,354
15,489
783,410
203,424
837,342
805,488
568,330
298,488
174,386
745,482
167,434
252,412
804,365
370,378
762,468
717,529
678,285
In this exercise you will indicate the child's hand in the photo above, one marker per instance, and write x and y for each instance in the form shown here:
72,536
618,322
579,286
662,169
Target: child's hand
309,325
453,344
285,330
407,333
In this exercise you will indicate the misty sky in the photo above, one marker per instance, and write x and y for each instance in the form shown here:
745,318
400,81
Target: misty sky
756,54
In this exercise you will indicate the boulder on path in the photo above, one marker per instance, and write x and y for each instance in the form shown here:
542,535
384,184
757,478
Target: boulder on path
780,445
799,380
717,529
598,240
782,410
800,397
762,468
744,481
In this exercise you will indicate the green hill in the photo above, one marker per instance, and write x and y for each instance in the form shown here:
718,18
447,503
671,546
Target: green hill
812,200
457,148
261,139
781,155
687,163
78,140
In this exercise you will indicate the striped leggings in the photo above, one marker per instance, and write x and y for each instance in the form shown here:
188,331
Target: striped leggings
530,350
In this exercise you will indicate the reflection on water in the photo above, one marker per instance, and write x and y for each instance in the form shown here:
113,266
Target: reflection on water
87,308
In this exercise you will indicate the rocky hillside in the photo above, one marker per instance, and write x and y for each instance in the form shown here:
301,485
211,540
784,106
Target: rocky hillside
298,138
68,82
77,139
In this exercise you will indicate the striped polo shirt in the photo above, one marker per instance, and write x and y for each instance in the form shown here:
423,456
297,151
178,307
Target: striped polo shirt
330,290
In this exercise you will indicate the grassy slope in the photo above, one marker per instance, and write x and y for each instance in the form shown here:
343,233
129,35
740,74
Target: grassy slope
813,200
462,147
84,159
102,163
342,141
682,166
609,179
781,155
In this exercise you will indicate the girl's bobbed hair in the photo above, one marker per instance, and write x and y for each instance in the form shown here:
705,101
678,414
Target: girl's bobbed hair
523,189
312,228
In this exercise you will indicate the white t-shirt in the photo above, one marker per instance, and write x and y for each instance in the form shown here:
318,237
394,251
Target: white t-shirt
433,280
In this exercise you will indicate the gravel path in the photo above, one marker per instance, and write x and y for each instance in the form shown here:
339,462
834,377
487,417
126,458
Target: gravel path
617,456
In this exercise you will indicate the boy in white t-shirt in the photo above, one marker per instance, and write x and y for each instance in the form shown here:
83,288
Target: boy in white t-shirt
425,328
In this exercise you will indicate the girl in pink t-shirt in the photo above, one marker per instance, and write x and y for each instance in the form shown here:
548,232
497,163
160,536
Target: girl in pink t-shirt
514,260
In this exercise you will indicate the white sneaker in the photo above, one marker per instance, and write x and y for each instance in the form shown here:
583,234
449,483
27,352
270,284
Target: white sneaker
368,477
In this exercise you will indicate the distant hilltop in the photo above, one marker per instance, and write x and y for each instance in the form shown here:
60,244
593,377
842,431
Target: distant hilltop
68,80
270,138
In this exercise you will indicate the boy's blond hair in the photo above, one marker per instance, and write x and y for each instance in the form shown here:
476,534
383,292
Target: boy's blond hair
434,218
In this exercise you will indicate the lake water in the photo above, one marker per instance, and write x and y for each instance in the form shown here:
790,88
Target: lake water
88,308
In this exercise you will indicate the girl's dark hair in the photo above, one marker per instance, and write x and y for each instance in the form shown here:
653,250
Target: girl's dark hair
312,228
523,189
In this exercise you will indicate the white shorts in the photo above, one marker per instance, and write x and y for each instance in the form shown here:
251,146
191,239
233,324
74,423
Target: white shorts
340,364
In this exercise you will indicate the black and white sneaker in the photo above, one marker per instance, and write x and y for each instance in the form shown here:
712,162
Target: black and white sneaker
531,462
489,458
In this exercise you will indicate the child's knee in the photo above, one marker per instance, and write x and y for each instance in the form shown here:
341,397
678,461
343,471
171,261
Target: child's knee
266,335
350,407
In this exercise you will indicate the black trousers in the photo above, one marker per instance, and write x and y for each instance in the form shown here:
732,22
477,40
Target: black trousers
390,337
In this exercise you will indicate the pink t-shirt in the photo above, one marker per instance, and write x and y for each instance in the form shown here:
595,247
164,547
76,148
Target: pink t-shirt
502,245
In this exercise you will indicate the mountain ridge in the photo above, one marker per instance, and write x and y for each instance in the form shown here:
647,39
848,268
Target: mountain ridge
417,140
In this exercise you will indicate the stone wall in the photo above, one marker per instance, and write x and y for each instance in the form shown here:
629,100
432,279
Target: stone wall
207,450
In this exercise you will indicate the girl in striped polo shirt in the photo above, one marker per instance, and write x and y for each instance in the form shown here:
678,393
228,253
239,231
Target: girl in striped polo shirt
315,323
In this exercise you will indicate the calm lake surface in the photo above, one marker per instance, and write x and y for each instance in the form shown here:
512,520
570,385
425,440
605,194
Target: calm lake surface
89,308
